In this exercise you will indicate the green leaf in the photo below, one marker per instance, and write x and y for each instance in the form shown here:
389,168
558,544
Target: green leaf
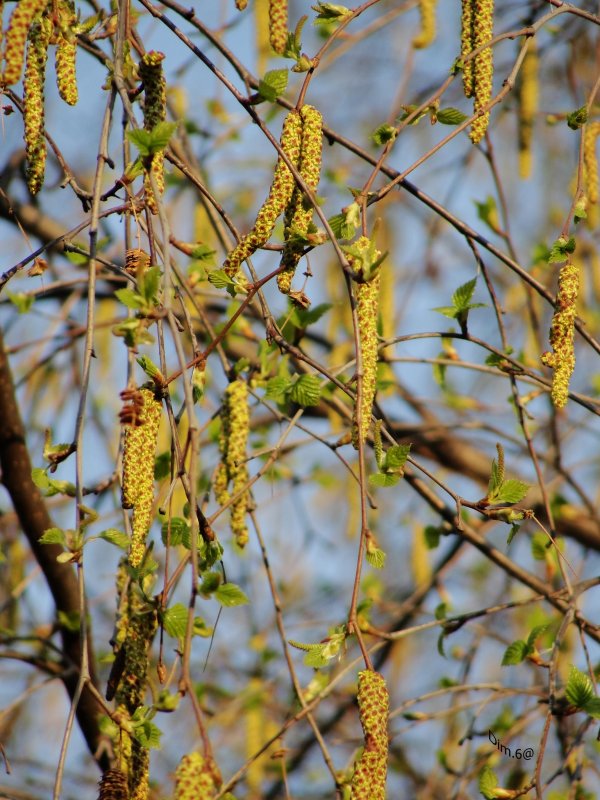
160,135
273,84
450,116
21,301
53,536
328,12
141,139
536,633
396,456
130,298
513,532
383,479
277,388
316,658
202,252
149,283
440,644
539,546
510,491
488,213
576,119
293,46
462,296
228,594
561,249
432,537
441,611
147,734
376,557
303,317
306,391
174,620
180,532
488,783
162,465
579,689
116,537
149,367
592,707
220,279
383,134
515,653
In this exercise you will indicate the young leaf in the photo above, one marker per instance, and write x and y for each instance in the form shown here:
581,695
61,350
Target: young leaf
160,135
53,536
21,301
488,783
450,116
116,537
515,653
462,296
561,249
306,391
147,734
277,388
579,689
510,491
383,479
376,557
174,620
228,594
180,532
273,84
220,279
432,537
141,139
130,298
149,283
396,456
383,134
576,119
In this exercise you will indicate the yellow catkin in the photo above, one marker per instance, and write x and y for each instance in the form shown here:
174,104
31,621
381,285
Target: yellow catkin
155,111
33,103
590,160
426,35
138,471
368,780
233,439
367,311
261,27
277,201
466,45
278,25
300,210
528,96
483,65
66,53
24,14
562,334
196,778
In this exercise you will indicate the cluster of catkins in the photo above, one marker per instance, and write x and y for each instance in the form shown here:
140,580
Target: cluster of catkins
368,780
141,417
302,143
366,293
35,25
155,111
477,28
232,469
562,334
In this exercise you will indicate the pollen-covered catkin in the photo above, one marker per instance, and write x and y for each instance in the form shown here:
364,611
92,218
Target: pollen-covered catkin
277,201
528,95
562,334
367,311
298,214
466,45
155,111
368,780
233,440
24,14
196,778
66,54
278,25
590,160
426,35
138,471
33,103
483,65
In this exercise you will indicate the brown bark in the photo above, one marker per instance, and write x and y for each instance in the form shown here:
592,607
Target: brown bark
34,519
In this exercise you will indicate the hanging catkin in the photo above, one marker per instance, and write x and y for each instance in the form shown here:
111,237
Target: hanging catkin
142,415
278,25
477,30
528,95
196,778
23,15
277,201
368,780
33,103
66,53
562,334
155,111
299,213
466,45
426,35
